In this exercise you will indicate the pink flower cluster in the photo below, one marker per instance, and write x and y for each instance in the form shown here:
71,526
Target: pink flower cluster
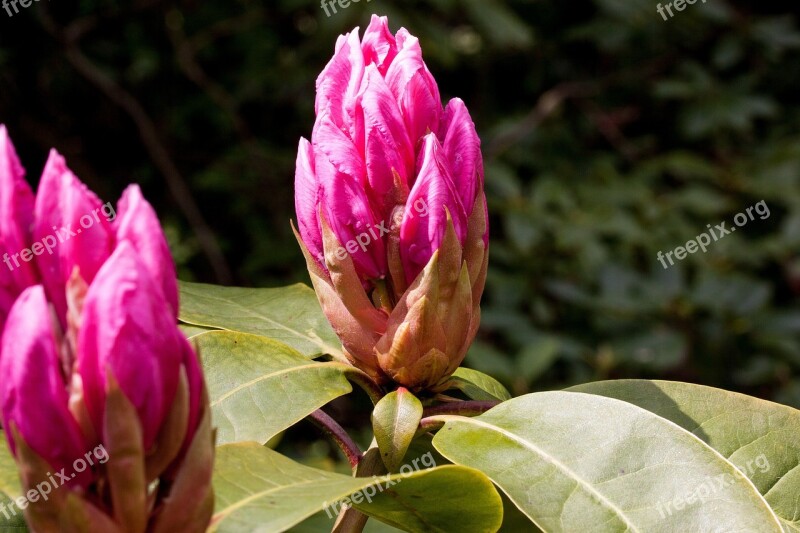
103,305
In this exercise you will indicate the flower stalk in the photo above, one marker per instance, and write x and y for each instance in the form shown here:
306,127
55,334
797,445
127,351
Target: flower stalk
338,435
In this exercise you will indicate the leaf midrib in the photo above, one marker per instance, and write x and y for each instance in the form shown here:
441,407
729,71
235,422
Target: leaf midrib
263,377
227,511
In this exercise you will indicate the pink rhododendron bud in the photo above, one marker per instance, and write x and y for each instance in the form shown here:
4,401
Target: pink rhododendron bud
33,391
92,360
391,211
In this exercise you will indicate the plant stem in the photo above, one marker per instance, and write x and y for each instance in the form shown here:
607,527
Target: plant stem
466,408
352,520
426,425
332,429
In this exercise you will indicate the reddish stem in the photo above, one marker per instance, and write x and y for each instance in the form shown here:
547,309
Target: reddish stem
335,432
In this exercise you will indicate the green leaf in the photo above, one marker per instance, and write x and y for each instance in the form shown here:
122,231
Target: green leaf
11,519
15,521
290,314
759,437
478,386
9,479
395,420
258,489
579,462
258,387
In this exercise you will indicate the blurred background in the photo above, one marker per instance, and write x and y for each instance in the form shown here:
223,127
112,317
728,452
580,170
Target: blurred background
609,134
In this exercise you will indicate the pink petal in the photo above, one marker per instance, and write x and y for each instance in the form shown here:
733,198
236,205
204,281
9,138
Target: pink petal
16,219
129,328
33,392
307,195
379,44
194,373
425,217
342,176
462,148
339,84
138,224
7,299
388,149
48,220
70,223
414,88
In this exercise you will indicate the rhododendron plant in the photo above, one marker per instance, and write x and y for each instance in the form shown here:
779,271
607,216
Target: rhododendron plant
107,411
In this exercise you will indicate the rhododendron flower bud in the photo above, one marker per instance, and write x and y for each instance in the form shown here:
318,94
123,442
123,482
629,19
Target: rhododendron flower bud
92,359
391,211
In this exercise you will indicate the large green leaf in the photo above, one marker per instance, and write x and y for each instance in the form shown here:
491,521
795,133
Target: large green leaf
11,520
258,489
258,386
580,462
761,438
290,314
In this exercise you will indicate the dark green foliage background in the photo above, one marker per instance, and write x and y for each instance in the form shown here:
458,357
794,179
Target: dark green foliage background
609,134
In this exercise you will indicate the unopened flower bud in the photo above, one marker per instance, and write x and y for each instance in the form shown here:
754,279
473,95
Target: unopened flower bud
391,211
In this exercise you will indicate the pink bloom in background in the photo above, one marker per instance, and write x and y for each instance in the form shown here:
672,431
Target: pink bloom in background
89,302
388,170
